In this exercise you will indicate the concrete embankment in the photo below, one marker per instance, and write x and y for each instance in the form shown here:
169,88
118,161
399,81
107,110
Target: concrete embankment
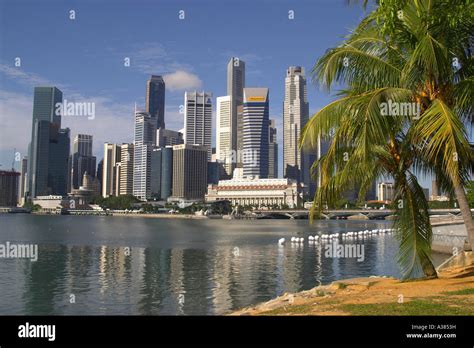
448,236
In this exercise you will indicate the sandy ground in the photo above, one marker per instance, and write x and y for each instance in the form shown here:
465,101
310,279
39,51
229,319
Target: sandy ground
328,300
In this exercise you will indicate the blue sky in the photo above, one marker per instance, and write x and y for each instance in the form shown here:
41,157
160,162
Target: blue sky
85,57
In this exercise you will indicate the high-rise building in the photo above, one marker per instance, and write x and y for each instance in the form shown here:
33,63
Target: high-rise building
126,169
295,116
155,102
198,119
47,167
255,132
272,151
189,172
143,146
82,160
226,154
83,145
9,188
112,156
155,168
168,137
386,191
59,150
235,89
166,172
23,179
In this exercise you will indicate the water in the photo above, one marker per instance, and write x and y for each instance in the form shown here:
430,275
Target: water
174,266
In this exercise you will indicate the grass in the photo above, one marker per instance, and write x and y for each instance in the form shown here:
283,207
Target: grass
415,307
467,291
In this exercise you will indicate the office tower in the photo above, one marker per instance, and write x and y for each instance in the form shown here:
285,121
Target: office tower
255,132
126,169
112,156
143,145
235,89
9,188
82,145
166,172
155,170
189,172
198,119
47,167
226,155
272,151
82,160
99,172
168,137
59,150
23,180
295,116
386,191
155,102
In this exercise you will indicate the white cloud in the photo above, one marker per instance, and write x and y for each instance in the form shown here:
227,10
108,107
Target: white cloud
181,80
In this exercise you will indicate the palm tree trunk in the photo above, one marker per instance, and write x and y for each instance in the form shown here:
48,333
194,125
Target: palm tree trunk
466,212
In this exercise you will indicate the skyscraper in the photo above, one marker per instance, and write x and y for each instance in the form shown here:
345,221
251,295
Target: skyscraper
47,167
295,116
155,168
225,153
59,149
82,160
8,188
155,102
23,179
166,172
112,156
198,119
272,151
168,137
235,89
255,132
126,169
189,172
143,145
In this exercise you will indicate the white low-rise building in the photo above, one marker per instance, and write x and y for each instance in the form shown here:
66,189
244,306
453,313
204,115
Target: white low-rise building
256,192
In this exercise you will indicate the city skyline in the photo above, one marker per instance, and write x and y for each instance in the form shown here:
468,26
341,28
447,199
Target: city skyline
115,88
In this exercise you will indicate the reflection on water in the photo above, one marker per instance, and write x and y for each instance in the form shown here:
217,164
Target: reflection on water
119,265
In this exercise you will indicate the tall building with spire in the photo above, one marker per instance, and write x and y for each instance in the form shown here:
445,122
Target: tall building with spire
235,89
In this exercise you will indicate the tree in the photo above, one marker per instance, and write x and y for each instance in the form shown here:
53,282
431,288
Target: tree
401,113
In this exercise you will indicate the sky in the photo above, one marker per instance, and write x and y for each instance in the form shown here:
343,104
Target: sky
84,57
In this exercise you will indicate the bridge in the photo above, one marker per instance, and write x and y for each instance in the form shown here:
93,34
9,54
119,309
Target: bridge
343,214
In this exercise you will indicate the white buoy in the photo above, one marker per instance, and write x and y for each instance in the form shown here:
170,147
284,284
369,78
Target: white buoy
292,239
310,238
281,241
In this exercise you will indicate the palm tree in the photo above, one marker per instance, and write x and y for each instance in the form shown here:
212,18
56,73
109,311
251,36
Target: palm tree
401,54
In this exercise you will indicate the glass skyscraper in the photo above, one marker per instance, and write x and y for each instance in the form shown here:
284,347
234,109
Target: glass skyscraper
49,147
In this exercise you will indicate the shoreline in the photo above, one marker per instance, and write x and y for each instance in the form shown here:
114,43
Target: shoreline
452,293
